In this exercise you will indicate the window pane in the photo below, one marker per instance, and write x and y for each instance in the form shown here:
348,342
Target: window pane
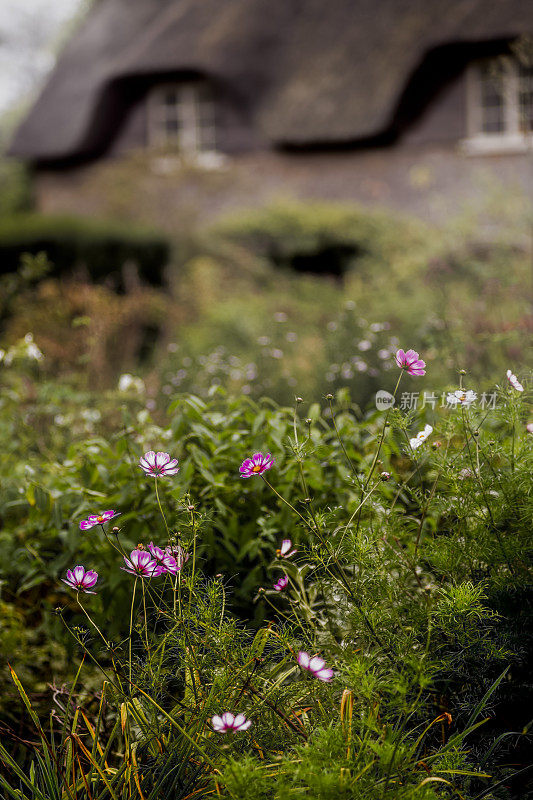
183,115
525,98
492,96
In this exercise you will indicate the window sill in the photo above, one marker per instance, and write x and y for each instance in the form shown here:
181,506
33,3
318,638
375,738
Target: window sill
208,161
497,145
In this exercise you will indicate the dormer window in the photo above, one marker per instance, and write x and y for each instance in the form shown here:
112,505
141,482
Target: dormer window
182,118
500,106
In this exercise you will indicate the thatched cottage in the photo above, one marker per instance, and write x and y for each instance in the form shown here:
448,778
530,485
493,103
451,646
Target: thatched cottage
217,104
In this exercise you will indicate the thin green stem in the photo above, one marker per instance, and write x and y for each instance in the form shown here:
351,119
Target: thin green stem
160,506
131,621
91,621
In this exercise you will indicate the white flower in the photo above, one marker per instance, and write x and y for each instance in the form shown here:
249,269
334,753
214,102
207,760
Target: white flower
128,382
421,437
463,397
513,380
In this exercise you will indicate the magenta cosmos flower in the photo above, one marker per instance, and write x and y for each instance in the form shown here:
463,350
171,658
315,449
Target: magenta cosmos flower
227,722
286,550
80,580
316,666
411,362
141,564
256,465
281,584
165,559
158,464
177,552
98,519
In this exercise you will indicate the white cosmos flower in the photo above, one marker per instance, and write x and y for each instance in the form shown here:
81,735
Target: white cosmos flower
421,437
462,397
513,380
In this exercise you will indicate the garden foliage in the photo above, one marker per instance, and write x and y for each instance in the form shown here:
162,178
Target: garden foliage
411,581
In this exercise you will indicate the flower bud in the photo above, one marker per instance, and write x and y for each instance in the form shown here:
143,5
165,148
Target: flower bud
385,476
299,399
329,397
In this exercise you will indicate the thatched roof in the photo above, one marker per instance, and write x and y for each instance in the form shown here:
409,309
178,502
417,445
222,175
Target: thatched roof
311,71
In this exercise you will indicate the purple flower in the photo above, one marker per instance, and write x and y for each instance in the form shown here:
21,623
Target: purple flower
98,519
256,465
280,585
158,464
227,722
80,580
140,563
165,559
178,553
411,362
316,666
286,550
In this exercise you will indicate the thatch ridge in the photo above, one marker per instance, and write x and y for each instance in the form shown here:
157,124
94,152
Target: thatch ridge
313,71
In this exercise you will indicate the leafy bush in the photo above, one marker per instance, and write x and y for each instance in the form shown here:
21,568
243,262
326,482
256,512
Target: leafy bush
99,248
412,579
326,239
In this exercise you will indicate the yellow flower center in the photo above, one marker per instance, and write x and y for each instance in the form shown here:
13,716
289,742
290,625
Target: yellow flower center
99,519
257,468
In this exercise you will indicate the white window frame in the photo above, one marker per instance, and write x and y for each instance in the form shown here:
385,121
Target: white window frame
512,139
196,133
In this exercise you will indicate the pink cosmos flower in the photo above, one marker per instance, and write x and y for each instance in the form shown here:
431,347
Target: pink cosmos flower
281,584
165,559
513,380
286,550
140,563
410,362
316,666
80,580
98,519
256,465
227,722
158,464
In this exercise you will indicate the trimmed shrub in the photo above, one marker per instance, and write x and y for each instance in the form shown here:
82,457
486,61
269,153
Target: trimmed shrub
99,248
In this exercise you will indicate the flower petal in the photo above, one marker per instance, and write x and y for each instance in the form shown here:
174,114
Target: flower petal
303,659
316,664
79,572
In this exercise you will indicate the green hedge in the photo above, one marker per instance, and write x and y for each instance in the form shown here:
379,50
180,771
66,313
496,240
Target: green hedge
100,247
320,238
